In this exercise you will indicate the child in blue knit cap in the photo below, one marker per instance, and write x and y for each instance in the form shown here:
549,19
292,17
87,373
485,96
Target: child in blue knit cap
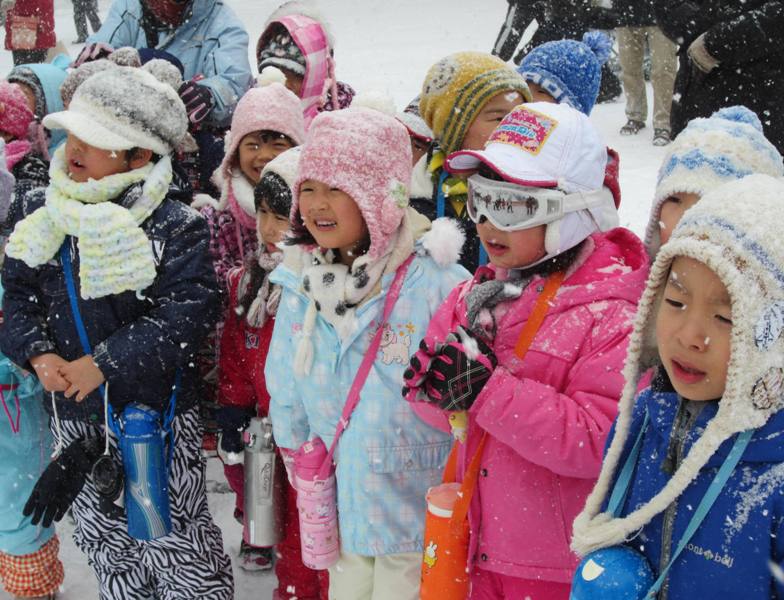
567,71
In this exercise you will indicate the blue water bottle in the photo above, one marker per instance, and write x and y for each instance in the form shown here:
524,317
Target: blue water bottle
146,473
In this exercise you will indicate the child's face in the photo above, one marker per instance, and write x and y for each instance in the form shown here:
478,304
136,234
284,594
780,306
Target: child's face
488,119
331,216
672,210
256,150
29,95
86,162
272,226
538,94
512,249
418,149
693,328
293,82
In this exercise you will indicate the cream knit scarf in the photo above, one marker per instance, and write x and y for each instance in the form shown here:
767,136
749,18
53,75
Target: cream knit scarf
115,255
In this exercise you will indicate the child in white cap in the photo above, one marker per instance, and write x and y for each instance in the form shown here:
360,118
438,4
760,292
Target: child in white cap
109,290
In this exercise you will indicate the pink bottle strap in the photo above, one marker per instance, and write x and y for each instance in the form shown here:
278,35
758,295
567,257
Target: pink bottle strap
367,363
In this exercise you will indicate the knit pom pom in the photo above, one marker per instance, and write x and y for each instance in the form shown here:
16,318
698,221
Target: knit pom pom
444,241
377,100
165,72
600,44
270,75
126,57
739,114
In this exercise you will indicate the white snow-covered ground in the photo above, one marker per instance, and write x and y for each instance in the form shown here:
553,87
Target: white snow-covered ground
379,45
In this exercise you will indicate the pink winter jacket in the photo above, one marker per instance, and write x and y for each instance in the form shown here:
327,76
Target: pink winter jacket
548,415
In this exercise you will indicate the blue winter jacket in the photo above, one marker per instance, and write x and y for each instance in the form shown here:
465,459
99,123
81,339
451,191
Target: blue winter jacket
139,341
25,446
387,458
211,42
729,555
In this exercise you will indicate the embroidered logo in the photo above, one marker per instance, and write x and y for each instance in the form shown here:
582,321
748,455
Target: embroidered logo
157,250
394,347
251,341
525,129
767,390
769,326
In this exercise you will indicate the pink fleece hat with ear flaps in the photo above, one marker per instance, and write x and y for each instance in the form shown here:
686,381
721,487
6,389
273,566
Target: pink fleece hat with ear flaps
15,114
367,155
271,107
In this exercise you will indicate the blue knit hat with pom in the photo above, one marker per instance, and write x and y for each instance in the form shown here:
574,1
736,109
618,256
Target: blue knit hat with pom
708,153
568,70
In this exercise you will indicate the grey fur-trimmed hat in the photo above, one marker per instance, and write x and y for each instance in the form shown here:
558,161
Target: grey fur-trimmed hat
123,108
735,231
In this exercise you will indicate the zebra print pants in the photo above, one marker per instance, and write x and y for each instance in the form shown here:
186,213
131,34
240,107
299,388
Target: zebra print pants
187,563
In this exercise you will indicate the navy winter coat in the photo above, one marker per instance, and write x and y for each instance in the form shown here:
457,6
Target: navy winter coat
729,554
747,37
138,341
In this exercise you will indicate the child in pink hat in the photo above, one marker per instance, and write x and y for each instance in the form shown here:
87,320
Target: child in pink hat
351,217
25,148
266,122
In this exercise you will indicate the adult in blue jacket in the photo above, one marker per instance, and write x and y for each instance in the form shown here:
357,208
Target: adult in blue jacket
205,35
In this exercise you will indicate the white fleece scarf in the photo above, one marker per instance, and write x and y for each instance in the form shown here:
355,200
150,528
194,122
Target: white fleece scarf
115,254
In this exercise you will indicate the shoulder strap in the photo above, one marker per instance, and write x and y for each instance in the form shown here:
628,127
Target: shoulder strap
367,362
714,489
539,312
621,487
70,284
527,335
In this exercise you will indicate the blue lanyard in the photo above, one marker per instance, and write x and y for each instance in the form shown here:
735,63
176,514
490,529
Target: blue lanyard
621,489
441,208
65,259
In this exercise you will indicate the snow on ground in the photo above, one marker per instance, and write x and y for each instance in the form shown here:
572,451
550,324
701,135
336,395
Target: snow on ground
389,46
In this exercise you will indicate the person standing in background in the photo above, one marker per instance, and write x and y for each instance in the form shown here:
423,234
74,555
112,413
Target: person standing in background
85,10
29,29
638,27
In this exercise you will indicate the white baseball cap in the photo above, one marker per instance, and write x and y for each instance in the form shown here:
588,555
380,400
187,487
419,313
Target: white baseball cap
540,144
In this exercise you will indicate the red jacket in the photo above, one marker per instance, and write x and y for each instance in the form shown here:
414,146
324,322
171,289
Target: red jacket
44,11
243,352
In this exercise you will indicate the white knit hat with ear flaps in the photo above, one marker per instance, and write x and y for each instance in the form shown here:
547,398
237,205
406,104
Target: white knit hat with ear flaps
735,231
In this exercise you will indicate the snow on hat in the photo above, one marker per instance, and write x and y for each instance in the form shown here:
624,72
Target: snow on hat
735,231
15,114
568,70
457,88
708,153
282,169
541,144
367,155
123,108
412,119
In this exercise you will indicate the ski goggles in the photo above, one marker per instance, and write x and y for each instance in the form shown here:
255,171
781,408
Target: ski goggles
512,207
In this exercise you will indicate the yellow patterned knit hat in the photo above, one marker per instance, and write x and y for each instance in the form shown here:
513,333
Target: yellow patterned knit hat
457,88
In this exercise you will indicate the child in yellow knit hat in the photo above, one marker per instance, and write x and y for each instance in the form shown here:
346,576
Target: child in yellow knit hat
464,97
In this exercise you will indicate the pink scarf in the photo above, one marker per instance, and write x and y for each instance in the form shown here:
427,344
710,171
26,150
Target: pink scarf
16,151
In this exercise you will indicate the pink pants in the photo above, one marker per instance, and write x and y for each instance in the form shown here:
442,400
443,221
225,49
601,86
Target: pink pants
486,585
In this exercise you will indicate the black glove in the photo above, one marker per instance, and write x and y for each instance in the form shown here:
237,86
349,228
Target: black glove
459,372
416,373
197,99
62,481
232,421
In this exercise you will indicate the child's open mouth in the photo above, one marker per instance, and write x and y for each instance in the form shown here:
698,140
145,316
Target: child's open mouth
325,225
686,372
494,248
75,165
